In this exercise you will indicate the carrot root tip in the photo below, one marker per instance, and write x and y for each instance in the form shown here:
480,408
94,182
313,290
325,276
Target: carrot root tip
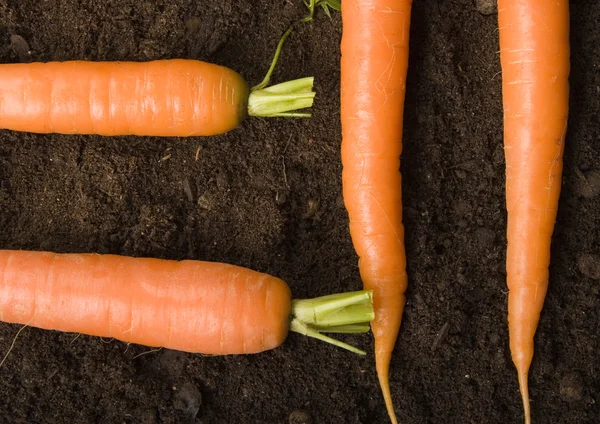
524,389
12,346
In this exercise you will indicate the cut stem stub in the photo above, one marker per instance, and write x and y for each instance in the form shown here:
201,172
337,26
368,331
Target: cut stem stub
346,313
283,100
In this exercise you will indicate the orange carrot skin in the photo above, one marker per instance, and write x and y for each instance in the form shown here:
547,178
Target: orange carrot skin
534,54
176,97
374,64
192,306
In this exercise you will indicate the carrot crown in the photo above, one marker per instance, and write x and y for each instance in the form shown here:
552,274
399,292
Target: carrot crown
347,313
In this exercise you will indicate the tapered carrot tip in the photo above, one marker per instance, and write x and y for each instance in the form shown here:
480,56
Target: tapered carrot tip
383,368
387,397
524,388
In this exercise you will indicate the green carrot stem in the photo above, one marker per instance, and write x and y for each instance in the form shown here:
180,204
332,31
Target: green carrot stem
300,327
348,313
316,311
311,11
284,100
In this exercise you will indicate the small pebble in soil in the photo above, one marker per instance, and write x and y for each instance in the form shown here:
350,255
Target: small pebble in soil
312,207
20,47
187,398
587,184
300,417
205,202
486,7
187,189
589,265
460,174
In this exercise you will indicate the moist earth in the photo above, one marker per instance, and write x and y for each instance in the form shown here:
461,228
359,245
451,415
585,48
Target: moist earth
267,195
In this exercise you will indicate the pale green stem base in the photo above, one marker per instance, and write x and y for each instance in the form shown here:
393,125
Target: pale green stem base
283,100
347,313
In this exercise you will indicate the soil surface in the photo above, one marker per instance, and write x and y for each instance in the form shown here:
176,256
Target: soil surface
268,196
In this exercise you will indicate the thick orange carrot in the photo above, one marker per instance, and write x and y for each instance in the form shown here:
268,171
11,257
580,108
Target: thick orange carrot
171,97
375,42
193,306
176,97
534,54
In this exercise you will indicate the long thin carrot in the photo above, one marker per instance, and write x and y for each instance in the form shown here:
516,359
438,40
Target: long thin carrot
374,47
535,55
192,306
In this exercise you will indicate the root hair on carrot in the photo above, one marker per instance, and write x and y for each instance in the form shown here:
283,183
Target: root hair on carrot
14,342
147,352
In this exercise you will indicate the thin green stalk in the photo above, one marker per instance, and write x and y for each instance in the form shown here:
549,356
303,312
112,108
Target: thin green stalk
345,313
267,77
311,11
301,328
283,100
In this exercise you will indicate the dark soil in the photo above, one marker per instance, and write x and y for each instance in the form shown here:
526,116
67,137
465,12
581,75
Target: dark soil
268,196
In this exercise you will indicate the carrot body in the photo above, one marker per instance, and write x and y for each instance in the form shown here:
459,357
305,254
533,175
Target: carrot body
174,97
374,64
534,54
192,306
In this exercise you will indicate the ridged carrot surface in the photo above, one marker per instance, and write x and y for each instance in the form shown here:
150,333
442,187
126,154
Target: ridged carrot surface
192,306
176,97
374,64
534,54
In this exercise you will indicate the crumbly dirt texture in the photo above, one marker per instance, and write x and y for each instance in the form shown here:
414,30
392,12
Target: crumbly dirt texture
268,196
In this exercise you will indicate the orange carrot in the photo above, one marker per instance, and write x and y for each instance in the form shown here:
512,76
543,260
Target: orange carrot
192,306
375,42
176,97
534,54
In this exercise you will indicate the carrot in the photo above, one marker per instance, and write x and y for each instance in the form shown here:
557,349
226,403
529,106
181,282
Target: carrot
176,97
192,306
374,47
534,55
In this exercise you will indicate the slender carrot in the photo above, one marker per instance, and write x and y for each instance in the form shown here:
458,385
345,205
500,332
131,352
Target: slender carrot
535,59
192,306
375,42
